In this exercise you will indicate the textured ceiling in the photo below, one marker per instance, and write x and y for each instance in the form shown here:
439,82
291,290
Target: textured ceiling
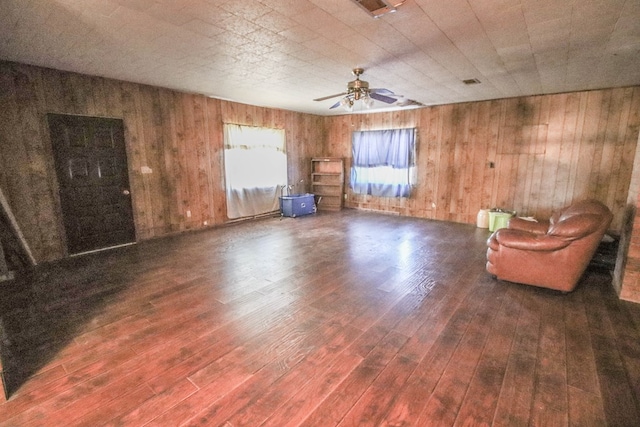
285,53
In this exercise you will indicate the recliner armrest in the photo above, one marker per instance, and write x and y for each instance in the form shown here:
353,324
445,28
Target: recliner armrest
524,240
537,227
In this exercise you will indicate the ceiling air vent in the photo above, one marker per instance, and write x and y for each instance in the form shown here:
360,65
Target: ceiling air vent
377,8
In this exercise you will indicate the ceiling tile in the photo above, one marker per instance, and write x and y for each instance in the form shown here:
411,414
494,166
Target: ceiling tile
284,53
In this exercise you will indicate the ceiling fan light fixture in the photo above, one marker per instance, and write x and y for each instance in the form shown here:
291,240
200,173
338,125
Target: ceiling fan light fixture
347,103
358,90
367,101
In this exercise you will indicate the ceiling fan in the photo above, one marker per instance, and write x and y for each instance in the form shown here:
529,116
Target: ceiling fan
359,90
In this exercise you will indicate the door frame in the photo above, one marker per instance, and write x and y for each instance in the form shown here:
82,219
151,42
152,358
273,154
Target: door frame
62,232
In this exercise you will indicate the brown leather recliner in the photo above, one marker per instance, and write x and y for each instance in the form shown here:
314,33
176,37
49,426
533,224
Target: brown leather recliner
551,254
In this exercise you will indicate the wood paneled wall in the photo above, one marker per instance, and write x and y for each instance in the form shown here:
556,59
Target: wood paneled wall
178,135
530,154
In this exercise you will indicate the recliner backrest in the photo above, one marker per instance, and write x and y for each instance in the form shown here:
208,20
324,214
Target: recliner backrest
584,207
576,226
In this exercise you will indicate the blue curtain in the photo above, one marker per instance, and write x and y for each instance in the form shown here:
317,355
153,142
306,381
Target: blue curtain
383,162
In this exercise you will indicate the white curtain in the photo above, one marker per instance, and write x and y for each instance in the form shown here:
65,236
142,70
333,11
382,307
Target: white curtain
383,162
255,164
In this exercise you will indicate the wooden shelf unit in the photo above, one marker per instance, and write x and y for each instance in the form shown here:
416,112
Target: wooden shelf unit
327,182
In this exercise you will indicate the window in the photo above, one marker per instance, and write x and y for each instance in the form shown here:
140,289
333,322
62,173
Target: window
255,164
383,162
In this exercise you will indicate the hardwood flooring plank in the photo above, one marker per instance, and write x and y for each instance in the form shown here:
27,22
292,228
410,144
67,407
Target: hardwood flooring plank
585,409
63,389
68,406
549,405
625,331
345,318
313,392
516,395
335,406
370,409
581,364
257,399
619,398
412,310
253,355
242,395
197,401
150,408
433,321
482,395
443,405
116,331
210,347
38,389
440,347
127,400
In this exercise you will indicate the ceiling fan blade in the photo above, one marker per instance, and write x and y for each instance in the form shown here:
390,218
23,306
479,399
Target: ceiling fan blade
382,91
407,102
402,101
330,96
383,98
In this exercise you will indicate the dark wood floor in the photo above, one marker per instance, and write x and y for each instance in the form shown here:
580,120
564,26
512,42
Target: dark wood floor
346,319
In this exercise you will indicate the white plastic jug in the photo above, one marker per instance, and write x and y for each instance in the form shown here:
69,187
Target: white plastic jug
483,218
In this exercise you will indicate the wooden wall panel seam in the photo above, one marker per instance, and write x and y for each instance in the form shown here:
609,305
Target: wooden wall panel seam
567,146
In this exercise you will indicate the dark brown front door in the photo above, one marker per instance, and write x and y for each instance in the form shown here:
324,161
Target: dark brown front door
91,165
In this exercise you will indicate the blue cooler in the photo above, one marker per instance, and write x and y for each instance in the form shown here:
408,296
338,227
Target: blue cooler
297,205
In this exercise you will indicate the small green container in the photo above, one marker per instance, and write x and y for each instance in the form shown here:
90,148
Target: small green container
499,219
